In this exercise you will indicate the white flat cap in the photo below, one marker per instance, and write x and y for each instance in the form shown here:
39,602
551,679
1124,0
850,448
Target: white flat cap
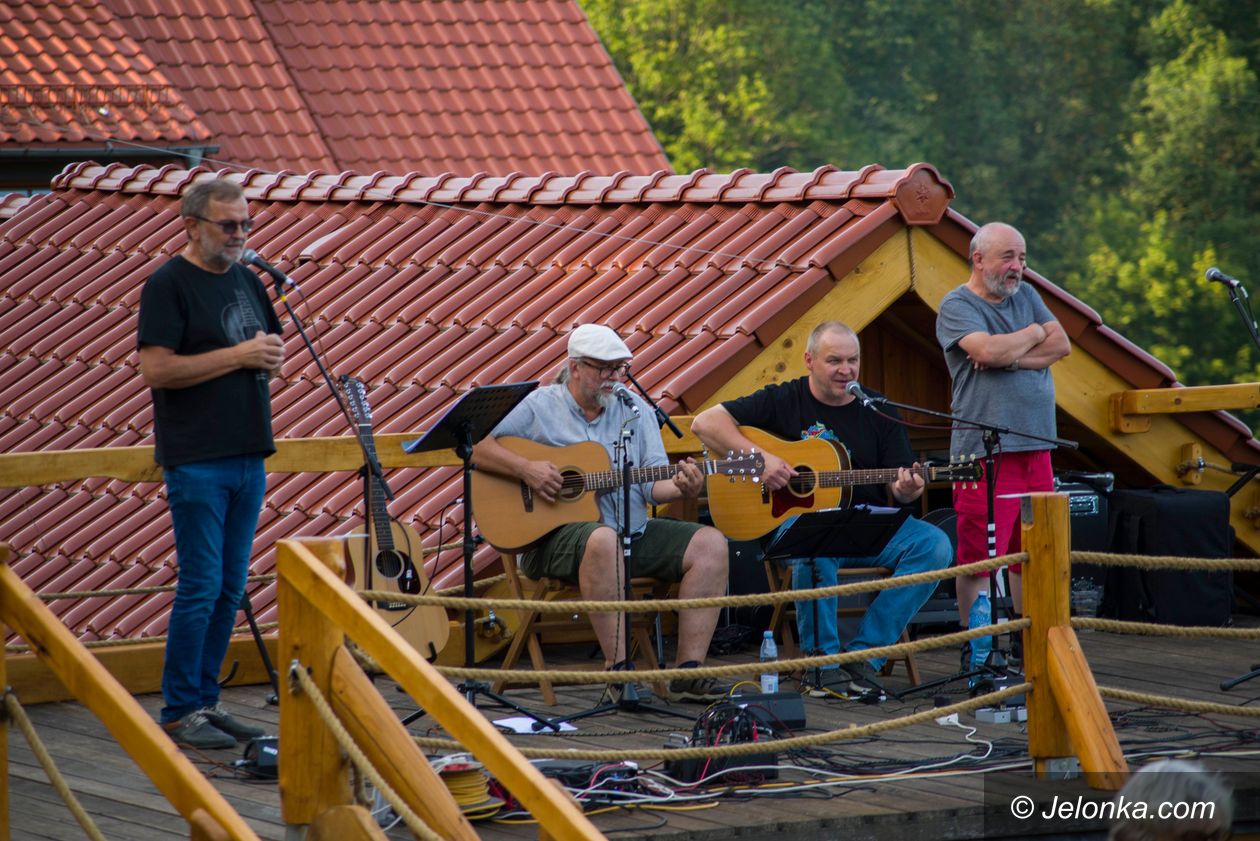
595,341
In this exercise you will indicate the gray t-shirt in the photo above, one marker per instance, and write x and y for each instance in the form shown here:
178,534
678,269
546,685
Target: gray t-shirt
550,415
1022,400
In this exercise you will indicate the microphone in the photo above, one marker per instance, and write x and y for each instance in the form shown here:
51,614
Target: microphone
856,390
1220,277
249,257
624,395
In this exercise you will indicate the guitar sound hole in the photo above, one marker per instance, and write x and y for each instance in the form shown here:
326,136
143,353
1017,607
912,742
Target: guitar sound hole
571,487
390,563
804,482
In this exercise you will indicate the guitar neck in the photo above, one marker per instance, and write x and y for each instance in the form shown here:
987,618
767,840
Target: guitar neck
606,479
878,476
376,495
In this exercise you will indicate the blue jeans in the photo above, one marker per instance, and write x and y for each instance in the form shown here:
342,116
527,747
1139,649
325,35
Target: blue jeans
916,547
214,509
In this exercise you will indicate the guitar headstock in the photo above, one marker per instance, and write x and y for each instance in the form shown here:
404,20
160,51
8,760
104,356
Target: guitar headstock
960,470
741,465
356,396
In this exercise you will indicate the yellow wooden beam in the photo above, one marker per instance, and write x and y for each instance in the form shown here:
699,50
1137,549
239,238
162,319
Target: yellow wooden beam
139,735
305,580
137,668
384,740
313,775
1139,402
1065,712
293,455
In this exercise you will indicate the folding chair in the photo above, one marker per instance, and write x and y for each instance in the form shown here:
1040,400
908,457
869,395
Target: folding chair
780,578
534,624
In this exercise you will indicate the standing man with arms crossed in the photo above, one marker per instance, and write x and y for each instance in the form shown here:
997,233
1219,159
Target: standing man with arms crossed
817,405
999,341
209,343
580,407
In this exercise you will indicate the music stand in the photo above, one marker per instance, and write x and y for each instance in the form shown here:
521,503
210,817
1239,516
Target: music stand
856,532
472,418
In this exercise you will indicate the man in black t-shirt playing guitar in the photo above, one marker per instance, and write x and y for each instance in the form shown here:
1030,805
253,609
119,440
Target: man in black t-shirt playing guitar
816,408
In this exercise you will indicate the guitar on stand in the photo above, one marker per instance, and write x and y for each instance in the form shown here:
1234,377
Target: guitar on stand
382,560
825,479
517,517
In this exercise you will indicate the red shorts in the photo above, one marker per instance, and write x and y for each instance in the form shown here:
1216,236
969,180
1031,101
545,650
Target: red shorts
1017,473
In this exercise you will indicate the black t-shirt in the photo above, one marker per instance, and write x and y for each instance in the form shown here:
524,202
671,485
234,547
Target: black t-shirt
790,411
191,311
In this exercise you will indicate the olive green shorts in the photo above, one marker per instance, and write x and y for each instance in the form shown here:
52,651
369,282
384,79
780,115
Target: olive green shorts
657,553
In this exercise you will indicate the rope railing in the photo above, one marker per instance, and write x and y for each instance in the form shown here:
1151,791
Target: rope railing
749,748
658,605
15,713
1117,626
1174,703
300,681
1165,561
653,675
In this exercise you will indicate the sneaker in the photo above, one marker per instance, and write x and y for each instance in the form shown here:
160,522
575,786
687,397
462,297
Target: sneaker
195,731
219,717
700,690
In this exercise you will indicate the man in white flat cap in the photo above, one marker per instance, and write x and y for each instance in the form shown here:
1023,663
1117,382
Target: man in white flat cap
581,406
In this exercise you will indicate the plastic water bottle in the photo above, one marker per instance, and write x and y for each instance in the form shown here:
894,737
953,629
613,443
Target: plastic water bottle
980,616
769,654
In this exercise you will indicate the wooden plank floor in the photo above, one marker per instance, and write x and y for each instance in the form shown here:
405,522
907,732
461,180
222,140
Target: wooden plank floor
880,801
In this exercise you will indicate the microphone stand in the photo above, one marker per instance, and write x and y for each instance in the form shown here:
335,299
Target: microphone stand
371,466
662,419
1243,305
996,663
630,699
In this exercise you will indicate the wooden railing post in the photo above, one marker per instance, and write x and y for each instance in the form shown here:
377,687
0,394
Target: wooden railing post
313,777
1066,715
5,554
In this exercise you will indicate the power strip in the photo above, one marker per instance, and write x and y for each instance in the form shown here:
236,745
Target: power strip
1002,715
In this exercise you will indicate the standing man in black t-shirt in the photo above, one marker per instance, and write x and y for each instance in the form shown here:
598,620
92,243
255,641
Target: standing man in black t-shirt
817,405
209,344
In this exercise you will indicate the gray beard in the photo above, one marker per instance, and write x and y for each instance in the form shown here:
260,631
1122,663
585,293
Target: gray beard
998,288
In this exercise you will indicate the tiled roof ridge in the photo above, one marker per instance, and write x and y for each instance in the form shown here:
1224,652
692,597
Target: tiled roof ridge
701,186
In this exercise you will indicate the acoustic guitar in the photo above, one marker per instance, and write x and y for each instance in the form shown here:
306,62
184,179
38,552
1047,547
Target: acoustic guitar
382,559
512,517
824,479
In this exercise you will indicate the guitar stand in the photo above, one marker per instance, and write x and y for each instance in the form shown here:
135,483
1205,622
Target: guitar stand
274,697
468,421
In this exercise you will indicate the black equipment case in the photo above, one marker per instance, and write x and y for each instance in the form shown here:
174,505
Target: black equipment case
1165,520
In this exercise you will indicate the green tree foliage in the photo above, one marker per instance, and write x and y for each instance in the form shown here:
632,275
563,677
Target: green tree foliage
1187,198
1121,136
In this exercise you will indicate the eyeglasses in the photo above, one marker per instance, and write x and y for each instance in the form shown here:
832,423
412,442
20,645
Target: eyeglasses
620,369
230,226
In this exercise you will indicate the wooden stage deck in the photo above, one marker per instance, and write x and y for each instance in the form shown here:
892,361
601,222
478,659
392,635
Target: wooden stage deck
883,798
